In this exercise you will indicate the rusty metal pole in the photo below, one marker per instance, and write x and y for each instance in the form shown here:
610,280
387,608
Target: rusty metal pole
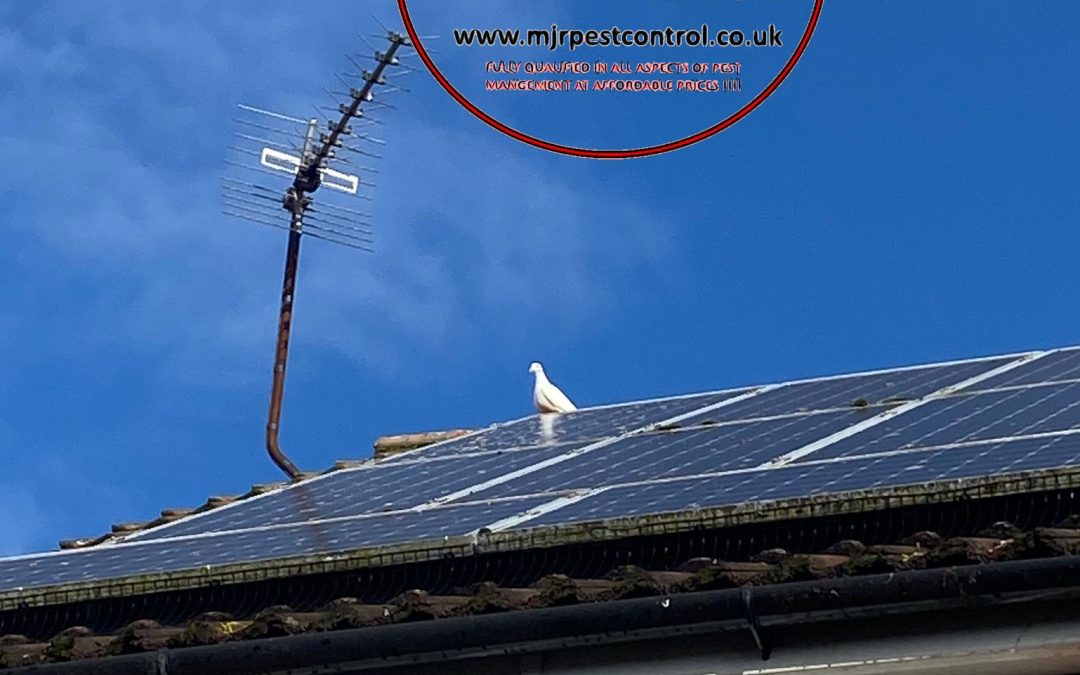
277,389
296,202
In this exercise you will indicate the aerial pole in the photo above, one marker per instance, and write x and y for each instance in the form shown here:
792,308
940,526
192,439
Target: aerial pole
309,156
294,203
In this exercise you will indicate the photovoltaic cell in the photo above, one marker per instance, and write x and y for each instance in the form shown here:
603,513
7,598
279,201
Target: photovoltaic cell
852,391
168,555
372,489
679,453
590,424
1055,367
794,481
998,414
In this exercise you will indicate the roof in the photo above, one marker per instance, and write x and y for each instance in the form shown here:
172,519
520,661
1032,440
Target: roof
203,625
569,545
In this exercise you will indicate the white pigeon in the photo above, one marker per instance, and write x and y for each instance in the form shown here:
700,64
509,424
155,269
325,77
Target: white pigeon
546,396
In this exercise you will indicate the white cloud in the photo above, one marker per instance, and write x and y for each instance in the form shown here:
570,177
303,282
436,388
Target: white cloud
476,241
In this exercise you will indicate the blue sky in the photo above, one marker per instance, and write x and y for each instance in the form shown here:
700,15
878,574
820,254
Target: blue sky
908,195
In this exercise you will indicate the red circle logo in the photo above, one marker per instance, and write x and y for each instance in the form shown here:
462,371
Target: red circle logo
624,153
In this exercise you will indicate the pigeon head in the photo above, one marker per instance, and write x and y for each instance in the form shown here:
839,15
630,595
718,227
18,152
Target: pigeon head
535,367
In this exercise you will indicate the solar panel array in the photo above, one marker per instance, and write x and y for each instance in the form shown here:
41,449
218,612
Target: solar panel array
982,417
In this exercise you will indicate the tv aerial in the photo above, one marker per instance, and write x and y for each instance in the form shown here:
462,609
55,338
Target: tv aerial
306,155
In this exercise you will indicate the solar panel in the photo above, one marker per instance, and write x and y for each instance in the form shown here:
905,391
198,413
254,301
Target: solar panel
589,424
849,400
368,489
736,445
810,479
1058,366
968,417
264,543
545,449
414,478
975,418
874,389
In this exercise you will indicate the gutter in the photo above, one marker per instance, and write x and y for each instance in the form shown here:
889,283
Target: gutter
762,611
